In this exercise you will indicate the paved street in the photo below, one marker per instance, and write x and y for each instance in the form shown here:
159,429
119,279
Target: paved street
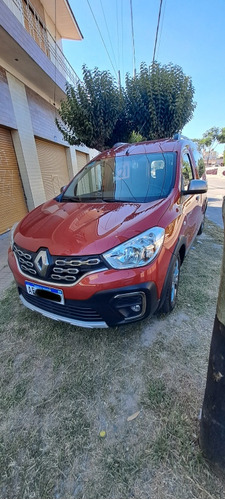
214,213
216,192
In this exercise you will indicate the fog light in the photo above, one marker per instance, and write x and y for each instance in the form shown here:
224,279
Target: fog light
136,308
131,305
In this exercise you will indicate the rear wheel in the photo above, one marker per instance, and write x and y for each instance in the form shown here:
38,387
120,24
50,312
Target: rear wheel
172,287
200,231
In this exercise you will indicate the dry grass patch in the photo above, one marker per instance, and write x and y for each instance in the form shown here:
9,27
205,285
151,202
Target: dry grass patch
61,386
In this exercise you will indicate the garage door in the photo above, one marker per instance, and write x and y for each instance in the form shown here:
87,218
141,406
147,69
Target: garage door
12,202
53,164
82,159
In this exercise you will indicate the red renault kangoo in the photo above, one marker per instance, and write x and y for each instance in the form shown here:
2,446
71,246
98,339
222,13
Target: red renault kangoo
108,249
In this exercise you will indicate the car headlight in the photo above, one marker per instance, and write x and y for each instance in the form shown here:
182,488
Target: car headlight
12,234
138,251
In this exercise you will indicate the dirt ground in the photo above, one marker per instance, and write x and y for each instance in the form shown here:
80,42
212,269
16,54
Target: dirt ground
110,413
216,192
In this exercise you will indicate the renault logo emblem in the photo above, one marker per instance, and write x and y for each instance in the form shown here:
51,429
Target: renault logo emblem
41,262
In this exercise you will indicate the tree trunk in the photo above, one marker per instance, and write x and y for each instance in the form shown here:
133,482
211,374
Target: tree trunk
212,426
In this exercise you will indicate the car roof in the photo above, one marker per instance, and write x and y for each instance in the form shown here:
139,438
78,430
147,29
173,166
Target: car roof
156,146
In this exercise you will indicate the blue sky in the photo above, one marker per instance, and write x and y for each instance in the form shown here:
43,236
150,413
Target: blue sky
191,34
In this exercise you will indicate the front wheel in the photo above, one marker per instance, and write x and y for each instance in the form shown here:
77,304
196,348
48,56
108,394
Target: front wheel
172,287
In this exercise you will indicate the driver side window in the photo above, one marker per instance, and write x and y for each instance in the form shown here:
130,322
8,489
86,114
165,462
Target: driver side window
186,171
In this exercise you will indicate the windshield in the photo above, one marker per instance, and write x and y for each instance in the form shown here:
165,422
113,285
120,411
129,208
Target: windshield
135,178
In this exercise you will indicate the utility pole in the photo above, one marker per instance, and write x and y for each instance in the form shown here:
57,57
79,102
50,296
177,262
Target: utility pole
132,30
157,32
212,426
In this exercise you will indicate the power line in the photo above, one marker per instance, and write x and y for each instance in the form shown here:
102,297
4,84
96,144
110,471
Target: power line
157,30
108,33
122,39
102,37
117,30
120,36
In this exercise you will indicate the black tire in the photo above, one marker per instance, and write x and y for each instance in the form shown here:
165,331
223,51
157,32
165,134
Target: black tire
172,287
200,231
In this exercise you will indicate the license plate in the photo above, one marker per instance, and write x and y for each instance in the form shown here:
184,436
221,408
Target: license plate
45,292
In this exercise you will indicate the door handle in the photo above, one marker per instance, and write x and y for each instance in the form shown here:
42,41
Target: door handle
197,198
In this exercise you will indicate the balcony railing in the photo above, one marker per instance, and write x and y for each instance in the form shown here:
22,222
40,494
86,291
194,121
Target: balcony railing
26,13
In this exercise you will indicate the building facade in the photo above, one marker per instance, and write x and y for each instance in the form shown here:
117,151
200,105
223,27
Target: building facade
35,161
213,159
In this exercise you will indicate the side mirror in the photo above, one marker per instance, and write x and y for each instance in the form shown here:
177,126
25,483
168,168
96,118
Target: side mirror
62,189
196,186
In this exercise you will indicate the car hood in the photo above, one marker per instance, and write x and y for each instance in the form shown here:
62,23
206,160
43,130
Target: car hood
67,228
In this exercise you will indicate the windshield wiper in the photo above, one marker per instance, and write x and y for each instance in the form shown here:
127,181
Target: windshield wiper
97,199
73,199
115,200
82,199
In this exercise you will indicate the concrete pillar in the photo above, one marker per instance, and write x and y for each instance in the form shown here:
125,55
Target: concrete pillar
76,162
24,144
71,161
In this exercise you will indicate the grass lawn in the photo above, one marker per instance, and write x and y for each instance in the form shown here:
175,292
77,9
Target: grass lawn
110,413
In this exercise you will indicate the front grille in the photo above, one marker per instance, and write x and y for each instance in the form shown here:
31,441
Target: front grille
56,269
71,309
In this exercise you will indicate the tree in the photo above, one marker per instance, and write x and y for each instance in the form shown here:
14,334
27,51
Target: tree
159,100
93,112
210,140
154,104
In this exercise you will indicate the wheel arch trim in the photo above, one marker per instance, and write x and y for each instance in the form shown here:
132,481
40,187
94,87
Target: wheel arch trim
180,249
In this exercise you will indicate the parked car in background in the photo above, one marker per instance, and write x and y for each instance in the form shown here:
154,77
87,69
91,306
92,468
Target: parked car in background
108,250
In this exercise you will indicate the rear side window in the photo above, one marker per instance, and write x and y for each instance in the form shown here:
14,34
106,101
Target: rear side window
200,165
186,171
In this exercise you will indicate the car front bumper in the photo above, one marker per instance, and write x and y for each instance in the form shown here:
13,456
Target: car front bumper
102,310
101,299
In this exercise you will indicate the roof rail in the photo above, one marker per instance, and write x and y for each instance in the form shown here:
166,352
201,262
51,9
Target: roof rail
119,144
177,137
